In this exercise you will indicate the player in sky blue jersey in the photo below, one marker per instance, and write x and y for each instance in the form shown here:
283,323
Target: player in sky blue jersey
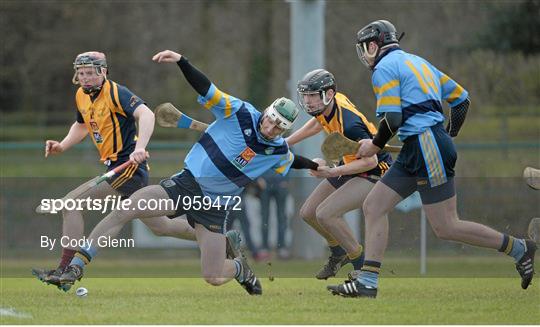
410,92
238,147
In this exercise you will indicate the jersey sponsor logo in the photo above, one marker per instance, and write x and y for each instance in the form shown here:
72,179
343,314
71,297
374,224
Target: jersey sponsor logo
244,158
247,132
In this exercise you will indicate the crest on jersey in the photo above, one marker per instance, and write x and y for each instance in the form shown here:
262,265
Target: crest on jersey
133,101
244,158
247,132
269,150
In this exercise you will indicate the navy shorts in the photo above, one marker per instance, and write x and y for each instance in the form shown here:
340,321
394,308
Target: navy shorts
184,185
339,181
129,180
425,164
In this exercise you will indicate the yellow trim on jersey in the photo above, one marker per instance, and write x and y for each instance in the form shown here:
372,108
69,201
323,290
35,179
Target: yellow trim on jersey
418,76
282,168
117,100
214,99
336,123
385,87
456,93
428,74
389,101
444,78
228,107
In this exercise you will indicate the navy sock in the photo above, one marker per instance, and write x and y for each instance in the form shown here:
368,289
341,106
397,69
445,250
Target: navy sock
337,251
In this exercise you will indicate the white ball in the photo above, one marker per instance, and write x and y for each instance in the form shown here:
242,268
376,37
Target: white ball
81,292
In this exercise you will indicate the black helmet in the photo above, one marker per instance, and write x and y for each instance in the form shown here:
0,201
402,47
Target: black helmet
317,81
381,32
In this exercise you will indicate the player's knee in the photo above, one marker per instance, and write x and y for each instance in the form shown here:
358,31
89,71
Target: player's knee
122,215
307,214
369,208
159,231
446,233
323,216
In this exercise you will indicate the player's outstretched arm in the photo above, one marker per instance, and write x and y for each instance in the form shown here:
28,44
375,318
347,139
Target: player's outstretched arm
311,128
76,134
195,77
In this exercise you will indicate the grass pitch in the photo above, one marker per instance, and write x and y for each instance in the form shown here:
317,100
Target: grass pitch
286,300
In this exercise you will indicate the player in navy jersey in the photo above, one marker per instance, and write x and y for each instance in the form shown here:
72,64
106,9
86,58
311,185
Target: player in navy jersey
346,185
238,147
410,92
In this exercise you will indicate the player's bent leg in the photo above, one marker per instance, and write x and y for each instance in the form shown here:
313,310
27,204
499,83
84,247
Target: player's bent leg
378,203
216,269
380,200
111,225
330,212
308,212
446,224
73,228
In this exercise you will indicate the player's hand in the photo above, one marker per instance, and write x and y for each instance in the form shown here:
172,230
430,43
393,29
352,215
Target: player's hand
319,161
53,147
323,172
367,148
166,56
139,155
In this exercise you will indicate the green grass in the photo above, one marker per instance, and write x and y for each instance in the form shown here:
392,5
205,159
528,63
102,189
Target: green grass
474,290
285,301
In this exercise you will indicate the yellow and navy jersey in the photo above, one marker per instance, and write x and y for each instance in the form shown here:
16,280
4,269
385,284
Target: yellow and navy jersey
351,123
409,84
108,116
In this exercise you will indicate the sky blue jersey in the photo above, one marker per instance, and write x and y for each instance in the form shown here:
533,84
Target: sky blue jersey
232,152
409,84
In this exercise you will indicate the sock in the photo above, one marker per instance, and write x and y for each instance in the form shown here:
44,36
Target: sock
514,247
84,255
238,267
336,250
369,274
67,255
357,258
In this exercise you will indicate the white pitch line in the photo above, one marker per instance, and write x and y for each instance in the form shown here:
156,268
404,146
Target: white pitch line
10,312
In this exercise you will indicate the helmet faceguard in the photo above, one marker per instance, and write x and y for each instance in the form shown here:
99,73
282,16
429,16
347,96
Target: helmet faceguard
94,60
318,81
383,33
282,112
